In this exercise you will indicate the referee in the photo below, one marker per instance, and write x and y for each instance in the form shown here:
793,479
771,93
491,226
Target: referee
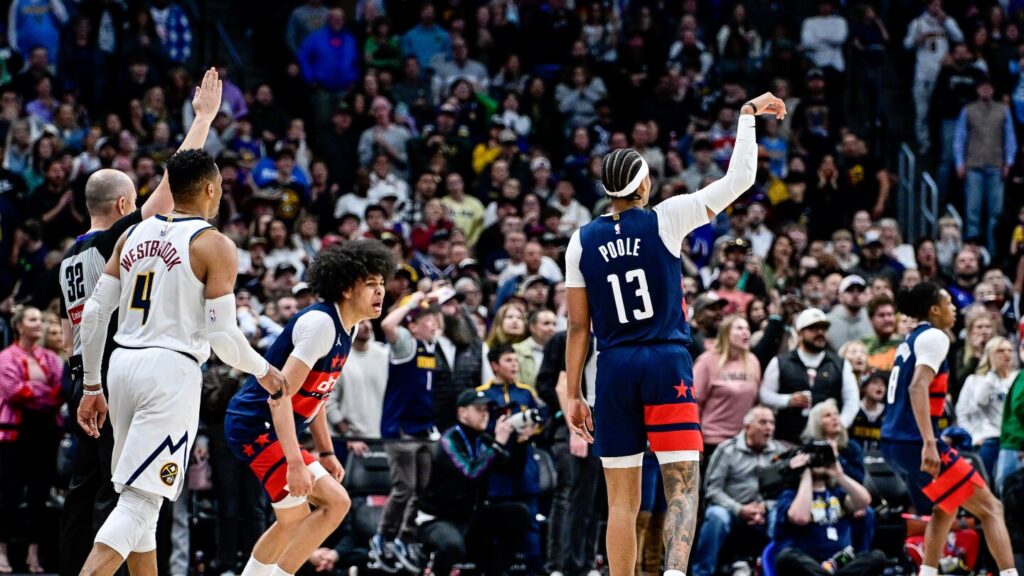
110,198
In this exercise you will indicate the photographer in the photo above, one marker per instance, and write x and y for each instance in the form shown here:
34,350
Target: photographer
519,479
453,519
812,527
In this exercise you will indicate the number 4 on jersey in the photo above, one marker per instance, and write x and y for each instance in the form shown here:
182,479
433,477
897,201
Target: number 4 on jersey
646,310
142,292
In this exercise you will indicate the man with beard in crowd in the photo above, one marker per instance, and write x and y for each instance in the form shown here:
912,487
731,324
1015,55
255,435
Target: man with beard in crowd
883,342
787,379
849,320
966,275
460,361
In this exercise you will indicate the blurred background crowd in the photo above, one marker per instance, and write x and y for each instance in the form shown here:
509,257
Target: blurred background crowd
466,135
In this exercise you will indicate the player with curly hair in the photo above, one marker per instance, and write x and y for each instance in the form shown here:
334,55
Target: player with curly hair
311,353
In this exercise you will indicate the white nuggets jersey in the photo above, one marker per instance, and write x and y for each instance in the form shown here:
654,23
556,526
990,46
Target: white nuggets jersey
162,302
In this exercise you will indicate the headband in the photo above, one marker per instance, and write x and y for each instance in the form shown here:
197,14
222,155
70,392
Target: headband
633,184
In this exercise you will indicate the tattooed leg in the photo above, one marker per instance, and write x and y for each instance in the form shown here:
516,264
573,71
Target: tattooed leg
623,505
682,480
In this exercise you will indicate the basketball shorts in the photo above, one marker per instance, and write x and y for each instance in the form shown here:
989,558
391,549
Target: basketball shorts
955,483
263,453
154,396
645,394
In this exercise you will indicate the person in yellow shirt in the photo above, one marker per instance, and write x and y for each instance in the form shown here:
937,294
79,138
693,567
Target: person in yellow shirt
465,211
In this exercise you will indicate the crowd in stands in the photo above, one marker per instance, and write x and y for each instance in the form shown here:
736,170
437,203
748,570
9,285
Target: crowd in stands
467,137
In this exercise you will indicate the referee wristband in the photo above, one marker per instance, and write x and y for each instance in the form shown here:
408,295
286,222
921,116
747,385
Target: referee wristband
749,103
325,454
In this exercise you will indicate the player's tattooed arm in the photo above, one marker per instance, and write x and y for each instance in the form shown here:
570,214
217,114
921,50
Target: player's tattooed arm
682,482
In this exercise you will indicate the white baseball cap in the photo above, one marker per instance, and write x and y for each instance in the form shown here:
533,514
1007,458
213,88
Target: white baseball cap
850,281
811,317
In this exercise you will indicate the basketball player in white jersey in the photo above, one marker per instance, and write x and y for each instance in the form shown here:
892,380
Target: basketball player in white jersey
110,197
171,277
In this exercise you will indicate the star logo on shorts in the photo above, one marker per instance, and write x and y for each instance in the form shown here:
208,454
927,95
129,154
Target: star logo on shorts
263,439
684,390
947,457
247,450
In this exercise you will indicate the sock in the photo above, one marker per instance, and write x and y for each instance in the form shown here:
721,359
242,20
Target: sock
928,571
278,572
1008,572
256,568
674,573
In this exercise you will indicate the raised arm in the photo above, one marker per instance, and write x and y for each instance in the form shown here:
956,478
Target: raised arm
206,103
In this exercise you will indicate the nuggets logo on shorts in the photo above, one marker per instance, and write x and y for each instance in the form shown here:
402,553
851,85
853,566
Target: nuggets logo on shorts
168,473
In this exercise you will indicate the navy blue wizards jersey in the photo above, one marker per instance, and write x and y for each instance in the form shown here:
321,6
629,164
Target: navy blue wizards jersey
633,279
927,346
248,409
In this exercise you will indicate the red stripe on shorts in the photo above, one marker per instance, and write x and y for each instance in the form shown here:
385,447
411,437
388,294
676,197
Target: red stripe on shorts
677,440
274,477
953,486
681,413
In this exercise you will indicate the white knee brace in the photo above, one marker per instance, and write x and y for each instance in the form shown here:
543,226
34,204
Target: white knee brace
131,526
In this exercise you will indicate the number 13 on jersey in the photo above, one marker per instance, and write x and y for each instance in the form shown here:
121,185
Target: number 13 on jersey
637,277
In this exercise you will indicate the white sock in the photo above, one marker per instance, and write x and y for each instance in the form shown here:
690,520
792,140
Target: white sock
256,568
1008,572
278,572
679,573
928,571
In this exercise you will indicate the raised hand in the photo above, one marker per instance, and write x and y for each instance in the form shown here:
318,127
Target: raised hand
206,101
768,103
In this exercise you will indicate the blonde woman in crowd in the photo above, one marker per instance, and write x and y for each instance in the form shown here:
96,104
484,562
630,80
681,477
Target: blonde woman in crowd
980,407
30,396
967,350
509,327
726,381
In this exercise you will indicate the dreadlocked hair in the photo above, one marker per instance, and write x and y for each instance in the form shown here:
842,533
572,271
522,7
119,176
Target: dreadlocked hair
618,169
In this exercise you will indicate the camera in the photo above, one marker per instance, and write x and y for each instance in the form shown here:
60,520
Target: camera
821,453
521,421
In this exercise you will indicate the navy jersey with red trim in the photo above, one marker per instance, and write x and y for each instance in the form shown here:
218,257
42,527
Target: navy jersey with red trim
633,282
899,425
249,405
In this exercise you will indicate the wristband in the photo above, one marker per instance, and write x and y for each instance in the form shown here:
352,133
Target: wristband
277,394
326,454
749,103
92,392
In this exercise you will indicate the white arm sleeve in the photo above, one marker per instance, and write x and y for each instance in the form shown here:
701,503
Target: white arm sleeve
770,395
718,195
850,395
573,252
931,348
95,319
312,337
677,217
228,342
